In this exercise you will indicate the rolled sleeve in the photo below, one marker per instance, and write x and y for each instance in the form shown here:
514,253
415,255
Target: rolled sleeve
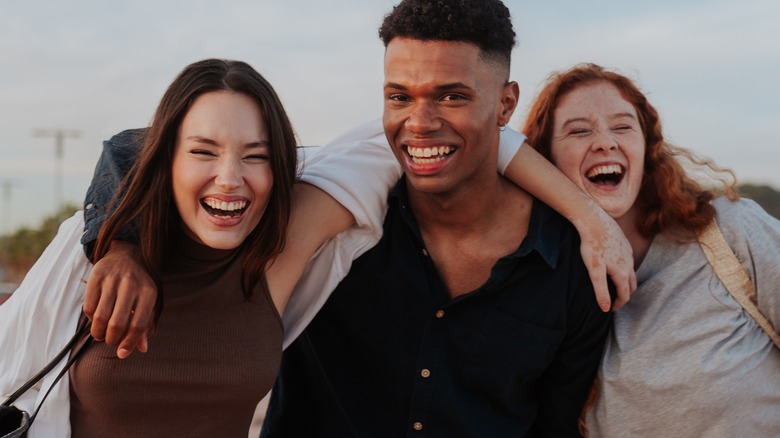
508,145
116,160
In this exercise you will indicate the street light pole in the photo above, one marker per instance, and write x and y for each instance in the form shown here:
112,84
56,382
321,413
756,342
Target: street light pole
7,185
59,140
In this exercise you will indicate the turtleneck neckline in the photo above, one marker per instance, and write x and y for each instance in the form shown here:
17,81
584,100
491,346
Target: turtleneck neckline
189,249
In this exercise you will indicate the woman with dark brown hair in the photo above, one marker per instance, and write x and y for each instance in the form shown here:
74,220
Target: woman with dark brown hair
211,195
683,359
211,198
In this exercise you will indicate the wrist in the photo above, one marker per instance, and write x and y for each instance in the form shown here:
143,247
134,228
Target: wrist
125,248
586,214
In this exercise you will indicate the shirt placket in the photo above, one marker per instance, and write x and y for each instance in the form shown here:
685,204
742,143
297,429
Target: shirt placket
427,372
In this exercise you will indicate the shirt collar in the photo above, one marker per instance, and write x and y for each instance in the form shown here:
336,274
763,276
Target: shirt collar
544,228
544,233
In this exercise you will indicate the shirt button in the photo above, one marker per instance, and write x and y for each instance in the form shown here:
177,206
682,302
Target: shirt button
425,373
440,314
417,425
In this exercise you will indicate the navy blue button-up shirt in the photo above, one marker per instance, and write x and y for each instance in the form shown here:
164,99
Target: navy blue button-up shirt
390,354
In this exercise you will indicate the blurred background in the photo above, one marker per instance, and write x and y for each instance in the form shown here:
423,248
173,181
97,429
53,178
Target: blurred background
74,73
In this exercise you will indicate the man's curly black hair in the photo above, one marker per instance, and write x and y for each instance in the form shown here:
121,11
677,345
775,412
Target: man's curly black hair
485,23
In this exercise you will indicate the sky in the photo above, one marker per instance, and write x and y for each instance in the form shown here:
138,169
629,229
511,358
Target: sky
95,67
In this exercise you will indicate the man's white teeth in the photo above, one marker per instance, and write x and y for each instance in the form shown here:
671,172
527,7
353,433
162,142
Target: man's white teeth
224,206
612,169
427,152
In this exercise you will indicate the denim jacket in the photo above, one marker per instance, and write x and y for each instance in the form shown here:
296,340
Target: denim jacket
116,160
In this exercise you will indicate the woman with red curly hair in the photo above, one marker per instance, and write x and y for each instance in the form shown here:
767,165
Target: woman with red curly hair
683,358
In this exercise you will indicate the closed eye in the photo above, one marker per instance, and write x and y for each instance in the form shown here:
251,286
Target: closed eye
258,152
256,158
203,152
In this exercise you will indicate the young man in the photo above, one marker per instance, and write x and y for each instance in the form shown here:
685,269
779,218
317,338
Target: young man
473,315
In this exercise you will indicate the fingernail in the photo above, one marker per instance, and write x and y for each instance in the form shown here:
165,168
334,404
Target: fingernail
122,353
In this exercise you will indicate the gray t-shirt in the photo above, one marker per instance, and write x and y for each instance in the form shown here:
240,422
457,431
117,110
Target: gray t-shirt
684,359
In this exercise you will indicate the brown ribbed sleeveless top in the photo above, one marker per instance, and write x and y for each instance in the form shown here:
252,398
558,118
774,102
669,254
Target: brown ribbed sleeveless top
213,357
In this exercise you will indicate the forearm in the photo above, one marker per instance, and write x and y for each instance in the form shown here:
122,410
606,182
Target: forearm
120,296
344,183
605,249
315,218
539,177
358,170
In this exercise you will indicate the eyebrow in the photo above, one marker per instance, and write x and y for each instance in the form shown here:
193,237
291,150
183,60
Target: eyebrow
577,119
206,140
614,116
442,87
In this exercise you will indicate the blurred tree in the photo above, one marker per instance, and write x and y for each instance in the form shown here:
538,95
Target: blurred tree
21,249
765,196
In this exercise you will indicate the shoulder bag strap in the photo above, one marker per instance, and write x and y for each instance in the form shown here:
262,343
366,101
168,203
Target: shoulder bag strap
82,329
733,275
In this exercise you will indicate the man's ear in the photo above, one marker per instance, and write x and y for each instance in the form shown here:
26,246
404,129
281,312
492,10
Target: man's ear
510,95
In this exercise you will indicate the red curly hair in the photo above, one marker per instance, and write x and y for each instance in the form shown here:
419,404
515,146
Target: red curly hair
669,199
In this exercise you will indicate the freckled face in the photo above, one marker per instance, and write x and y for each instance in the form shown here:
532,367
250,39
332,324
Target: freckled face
598,143
221,173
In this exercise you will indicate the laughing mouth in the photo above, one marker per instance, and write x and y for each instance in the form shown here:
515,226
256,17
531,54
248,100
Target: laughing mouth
611,175
224,209
425,155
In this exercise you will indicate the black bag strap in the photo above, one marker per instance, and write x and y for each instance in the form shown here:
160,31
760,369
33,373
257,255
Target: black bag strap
83,328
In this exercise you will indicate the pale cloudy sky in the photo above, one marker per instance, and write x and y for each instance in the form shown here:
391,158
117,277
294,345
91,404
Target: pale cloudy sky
100,66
